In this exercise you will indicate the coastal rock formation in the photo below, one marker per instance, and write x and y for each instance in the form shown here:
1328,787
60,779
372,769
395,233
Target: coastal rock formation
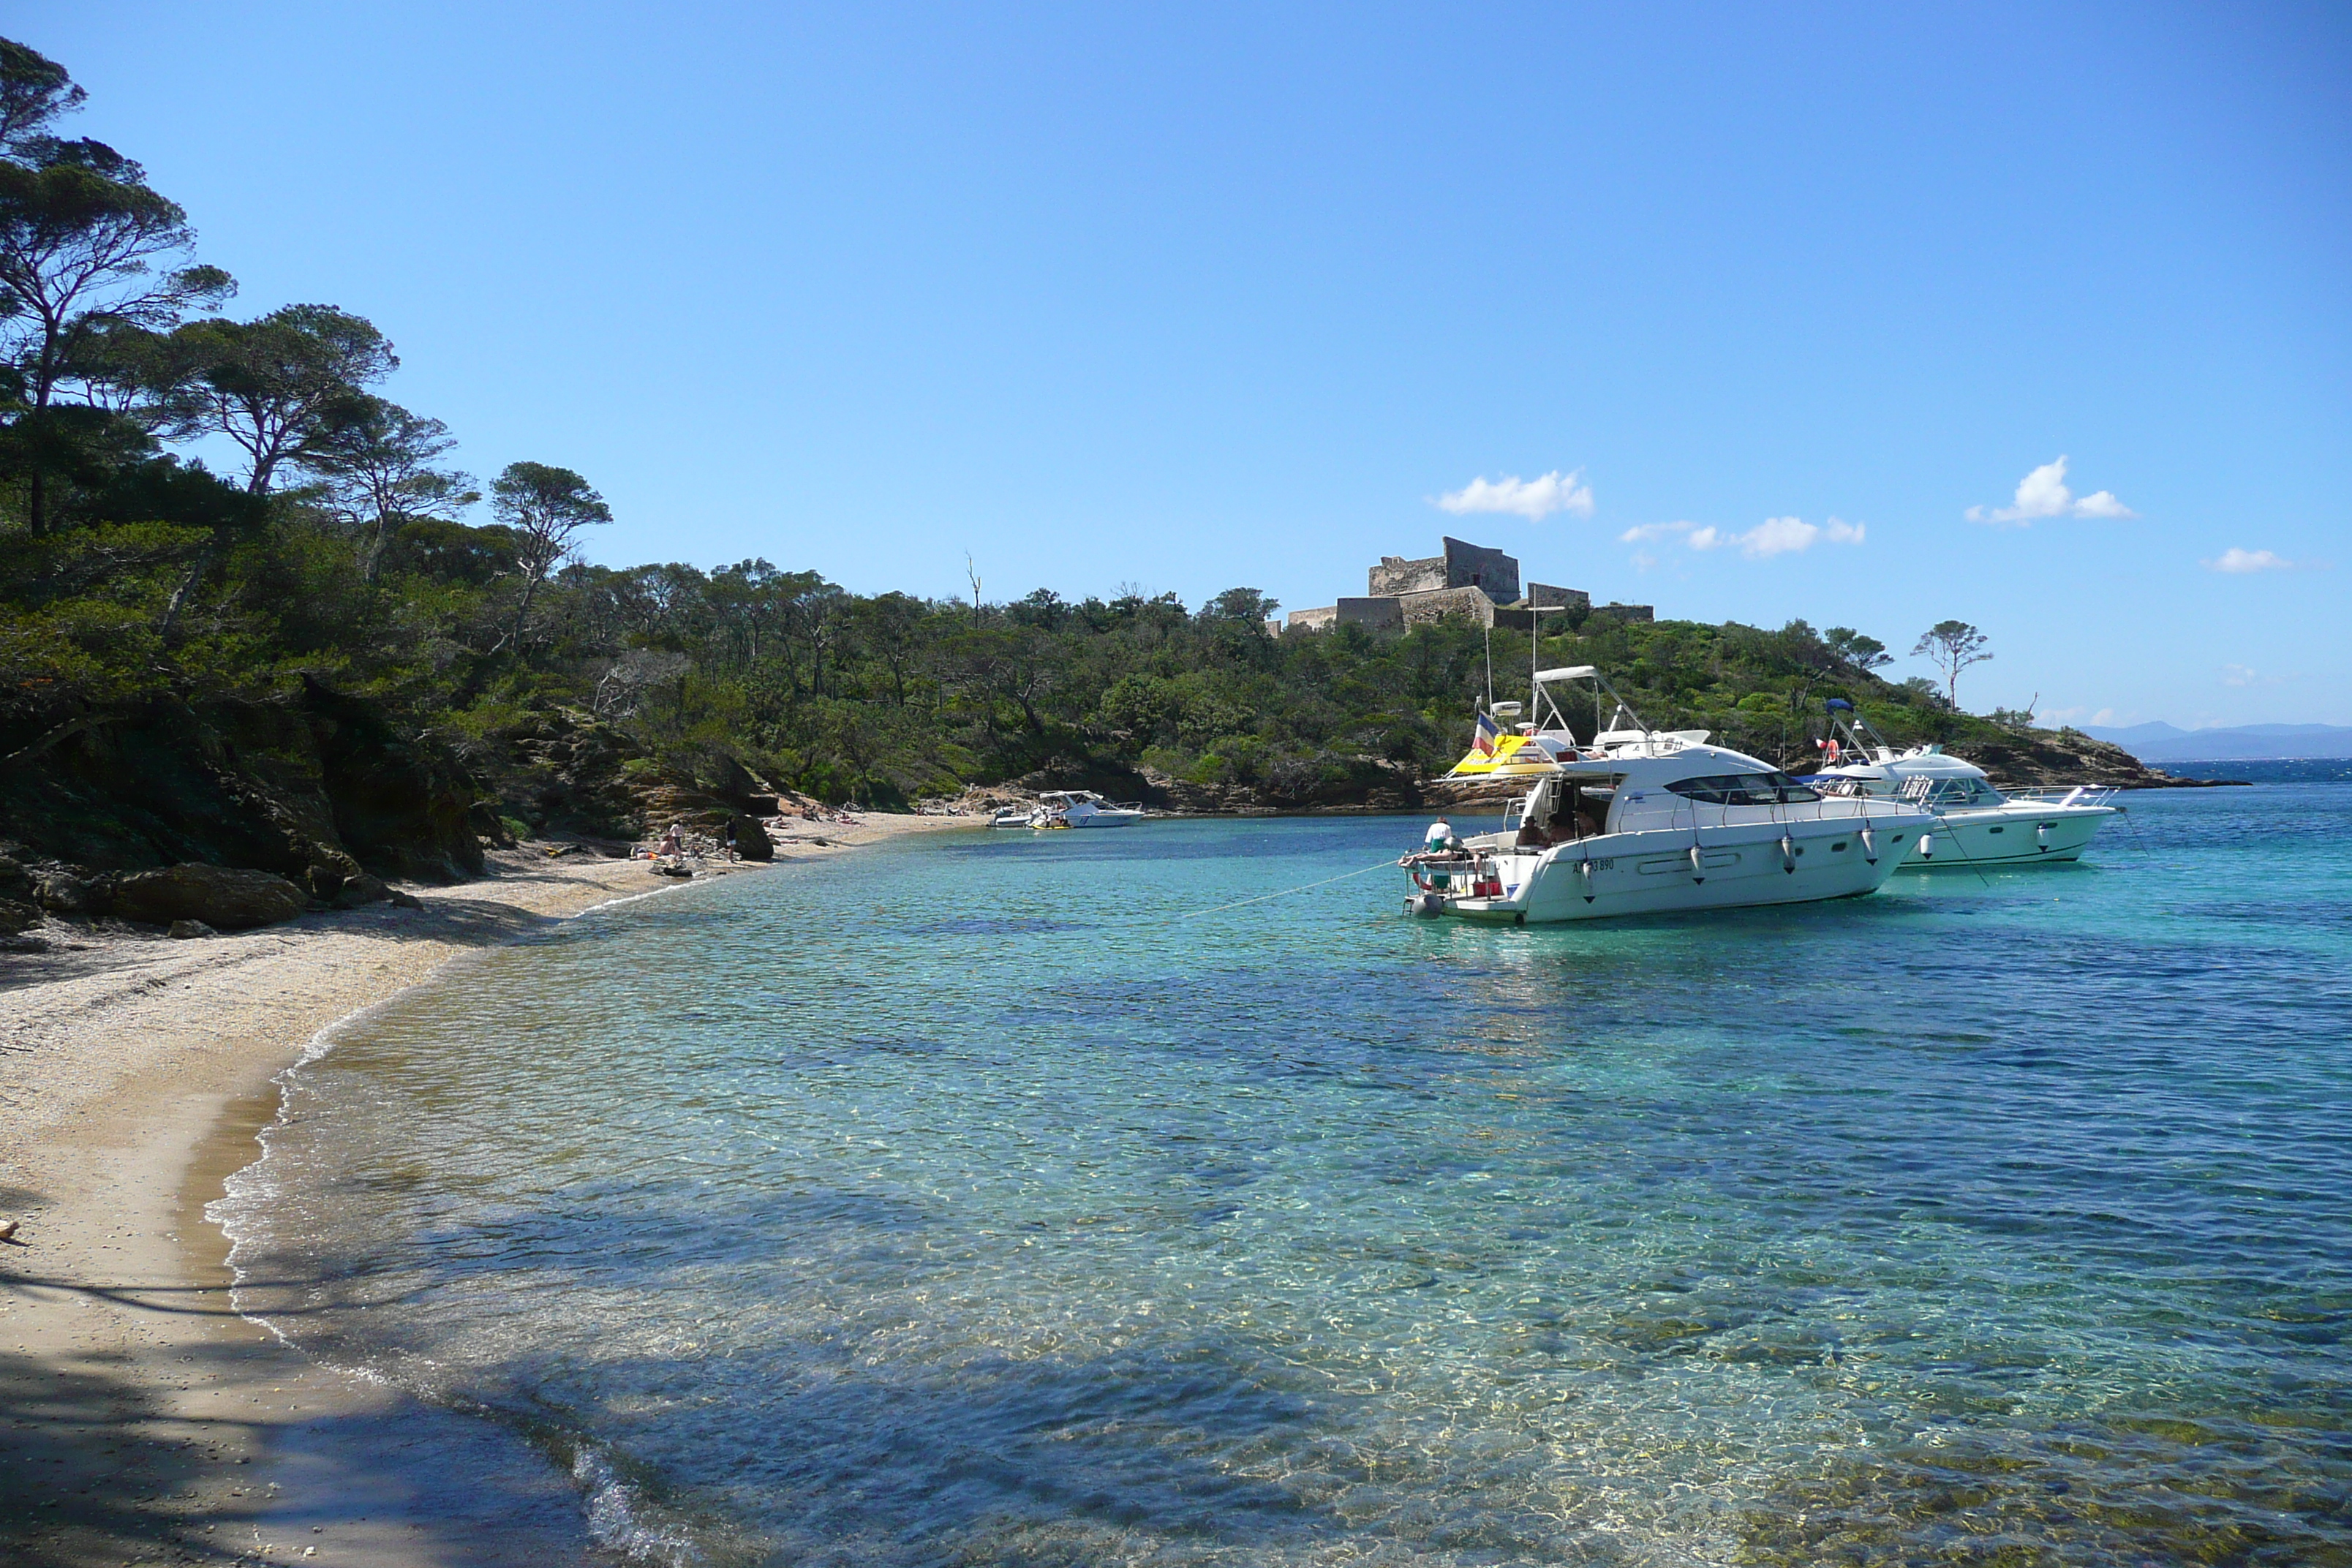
221,897
1301,785
751,841
2025,758
18,912
318,789
567,771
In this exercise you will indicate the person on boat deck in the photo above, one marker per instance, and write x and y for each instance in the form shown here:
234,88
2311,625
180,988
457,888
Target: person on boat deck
1440,836
1556,827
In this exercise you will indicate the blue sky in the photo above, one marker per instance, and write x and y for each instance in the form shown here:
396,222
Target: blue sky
1195,297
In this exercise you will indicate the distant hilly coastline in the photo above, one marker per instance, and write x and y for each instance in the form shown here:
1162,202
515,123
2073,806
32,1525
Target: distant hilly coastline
2162,743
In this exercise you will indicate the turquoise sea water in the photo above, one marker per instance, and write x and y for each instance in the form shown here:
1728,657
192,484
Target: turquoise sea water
953,1203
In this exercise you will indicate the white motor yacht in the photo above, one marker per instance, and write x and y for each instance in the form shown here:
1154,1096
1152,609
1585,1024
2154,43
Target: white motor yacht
1975,824
1083,808
1644,821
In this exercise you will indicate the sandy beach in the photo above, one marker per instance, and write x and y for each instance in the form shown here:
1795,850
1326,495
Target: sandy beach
145,1421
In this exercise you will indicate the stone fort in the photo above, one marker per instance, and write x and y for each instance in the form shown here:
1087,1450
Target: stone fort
1464,579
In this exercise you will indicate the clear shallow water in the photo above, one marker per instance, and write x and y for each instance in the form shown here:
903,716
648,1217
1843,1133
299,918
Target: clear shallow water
949,1203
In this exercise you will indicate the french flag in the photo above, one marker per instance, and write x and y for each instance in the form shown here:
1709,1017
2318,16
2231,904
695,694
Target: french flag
1487,734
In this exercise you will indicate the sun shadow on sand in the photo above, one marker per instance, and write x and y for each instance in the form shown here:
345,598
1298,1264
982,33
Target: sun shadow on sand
96,1470
84,1483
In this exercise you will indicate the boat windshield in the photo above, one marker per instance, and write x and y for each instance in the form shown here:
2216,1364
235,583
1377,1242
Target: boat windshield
1948,793
1744,789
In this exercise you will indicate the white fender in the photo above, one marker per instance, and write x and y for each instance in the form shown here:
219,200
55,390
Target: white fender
1584,869
1869,847
1698,866
1788,855
1926,847
2041,835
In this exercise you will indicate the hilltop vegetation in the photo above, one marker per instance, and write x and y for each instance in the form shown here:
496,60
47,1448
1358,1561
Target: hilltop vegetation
321,661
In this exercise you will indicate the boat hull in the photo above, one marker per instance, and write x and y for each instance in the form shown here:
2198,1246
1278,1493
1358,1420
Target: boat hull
2017,834
1655,872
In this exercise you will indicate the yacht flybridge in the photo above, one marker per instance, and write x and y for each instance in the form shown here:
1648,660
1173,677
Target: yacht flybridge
1975,825
1644,821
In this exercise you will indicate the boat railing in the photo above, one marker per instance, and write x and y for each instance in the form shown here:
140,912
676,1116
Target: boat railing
2064,795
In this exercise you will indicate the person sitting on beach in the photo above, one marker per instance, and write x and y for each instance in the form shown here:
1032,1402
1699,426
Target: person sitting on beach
671,843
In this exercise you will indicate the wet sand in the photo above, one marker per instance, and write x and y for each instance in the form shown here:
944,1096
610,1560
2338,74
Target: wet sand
140,1419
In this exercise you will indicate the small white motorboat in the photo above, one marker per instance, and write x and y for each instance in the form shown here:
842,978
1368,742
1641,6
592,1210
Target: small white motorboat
1083,808
1014,817
1644,821
1975,824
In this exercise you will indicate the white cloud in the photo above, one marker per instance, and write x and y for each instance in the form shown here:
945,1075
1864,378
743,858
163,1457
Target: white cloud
2240,560
1534,500
2043,493
1645,530
2240,675
2083,716
1778,536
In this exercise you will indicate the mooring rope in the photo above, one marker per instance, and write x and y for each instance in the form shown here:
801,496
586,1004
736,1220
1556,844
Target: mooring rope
1388,865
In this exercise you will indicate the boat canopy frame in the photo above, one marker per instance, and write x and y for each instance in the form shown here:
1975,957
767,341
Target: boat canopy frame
1621,713
1863,737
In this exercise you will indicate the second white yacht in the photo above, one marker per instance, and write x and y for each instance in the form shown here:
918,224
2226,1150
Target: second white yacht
1975,824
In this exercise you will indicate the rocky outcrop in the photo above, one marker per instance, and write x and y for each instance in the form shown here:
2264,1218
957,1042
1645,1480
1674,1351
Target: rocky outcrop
2023,758
1488,794
402,804
19,912
751,841
318,789
1326,783
221,897
568,772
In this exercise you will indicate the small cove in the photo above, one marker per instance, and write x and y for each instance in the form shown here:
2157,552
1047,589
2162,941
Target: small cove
954,1202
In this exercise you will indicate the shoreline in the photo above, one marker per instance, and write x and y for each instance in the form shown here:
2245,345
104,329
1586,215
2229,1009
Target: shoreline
145,1419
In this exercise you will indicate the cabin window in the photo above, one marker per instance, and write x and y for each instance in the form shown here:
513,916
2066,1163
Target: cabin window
1839,844
1744,789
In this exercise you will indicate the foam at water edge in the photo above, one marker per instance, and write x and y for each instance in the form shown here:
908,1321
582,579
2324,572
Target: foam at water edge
249,1188
622,1519
619,1516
